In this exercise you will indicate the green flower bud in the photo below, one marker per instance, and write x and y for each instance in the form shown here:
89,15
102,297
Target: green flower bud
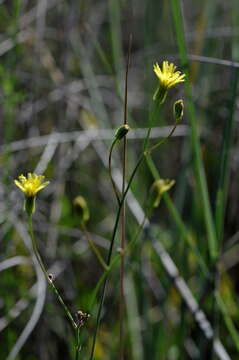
82,209
30,204
159,187
178,110
122,131
160,94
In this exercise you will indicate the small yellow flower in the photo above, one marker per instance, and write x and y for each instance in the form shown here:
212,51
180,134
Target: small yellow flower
168,77
31,184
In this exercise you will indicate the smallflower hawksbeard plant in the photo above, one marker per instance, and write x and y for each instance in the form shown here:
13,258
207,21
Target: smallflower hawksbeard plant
30,185
168,77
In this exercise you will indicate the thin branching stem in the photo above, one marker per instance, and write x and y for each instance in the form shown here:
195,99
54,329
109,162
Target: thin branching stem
123,235
154,147
94,248
139,162
49,280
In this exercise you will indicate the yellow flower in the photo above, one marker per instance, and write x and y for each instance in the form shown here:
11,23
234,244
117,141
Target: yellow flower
31,184
168,77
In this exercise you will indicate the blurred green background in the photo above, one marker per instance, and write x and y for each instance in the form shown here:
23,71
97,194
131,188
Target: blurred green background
62,73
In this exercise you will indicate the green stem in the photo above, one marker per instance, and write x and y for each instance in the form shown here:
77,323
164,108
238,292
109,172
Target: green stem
114,262
49,280
123,233
110,170
140,160
152,118
154,147
94,248
77,343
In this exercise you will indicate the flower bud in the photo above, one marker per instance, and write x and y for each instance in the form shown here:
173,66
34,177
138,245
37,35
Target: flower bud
82,209
30,204
122,131
160,94
159,187
178,110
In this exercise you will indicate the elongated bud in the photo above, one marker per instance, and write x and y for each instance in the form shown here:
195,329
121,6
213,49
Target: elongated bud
30,204
160,94
82,209
159,187
178,110
122,131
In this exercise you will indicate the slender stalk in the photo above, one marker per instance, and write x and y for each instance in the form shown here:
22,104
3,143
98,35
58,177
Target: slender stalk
94,248
122,258
139,162
78,347
150,150
49,280
110,170
115,261
123,237
111,250
152,118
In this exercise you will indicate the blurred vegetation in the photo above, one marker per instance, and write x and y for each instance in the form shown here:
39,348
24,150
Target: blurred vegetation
62,74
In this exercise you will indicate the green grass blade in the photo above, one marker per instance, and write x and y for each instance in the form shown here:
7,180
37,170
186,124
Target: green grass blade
198,165
223,182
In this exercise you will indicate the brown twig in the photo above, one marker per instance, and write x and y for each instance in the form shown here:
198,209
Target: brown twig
123,237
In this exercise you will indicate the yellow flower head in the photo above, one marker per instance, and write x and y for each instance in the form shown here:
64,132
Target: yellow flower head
31,184
168,77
